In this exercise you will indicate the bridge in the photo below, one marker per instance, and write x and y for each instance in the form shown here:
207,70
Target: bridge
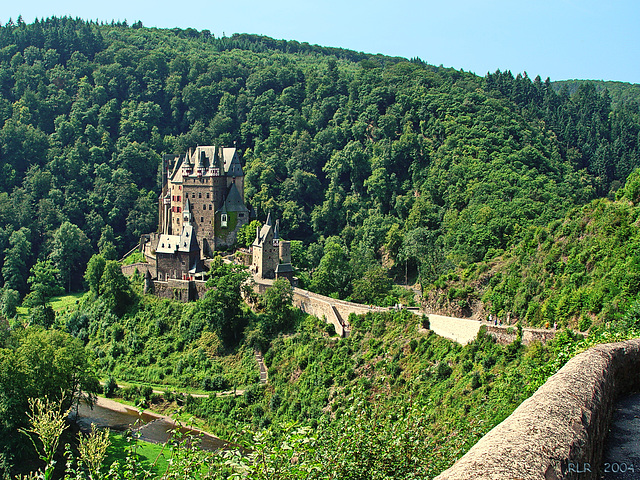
460,330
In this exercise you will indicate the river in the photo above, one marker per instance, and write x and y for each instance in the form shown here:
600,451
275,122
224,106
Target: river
151,427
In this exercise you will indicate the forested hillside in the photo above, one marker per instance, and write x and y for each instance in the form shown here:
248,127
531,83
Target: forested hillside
581,270
368,160
620,92
497,192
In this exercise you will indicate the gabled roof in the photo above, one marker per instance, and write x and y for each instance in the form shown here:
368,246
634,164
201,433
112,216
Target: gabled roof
185,242
232,166
168,243
262,234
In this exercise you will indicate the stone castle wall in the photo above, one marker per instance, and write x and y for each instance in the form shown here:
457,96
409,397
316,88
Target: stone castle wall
181,290
316,305
312,304
562,427
129,270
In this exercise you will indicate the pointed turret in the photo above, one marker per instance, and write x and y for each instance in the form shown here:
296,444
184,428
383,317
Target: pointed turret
268,222
276,230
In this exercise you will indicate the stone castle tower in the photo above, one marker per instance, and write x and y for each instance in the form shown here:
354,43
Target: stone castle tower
204,189
271,256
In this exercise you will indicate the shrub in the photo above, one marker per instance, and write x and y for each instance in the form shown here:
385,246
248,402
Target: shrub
475,380
443,370
146,392
110,387
584,324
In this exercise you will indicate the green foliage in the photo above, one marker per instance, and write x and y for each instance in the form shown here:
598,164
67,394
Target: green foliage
115,290
277,302
333,275
9,300
45,283
93,274
372,288
221,306
70,253
110,387
16,258
583,271
39,364
247,233
416,168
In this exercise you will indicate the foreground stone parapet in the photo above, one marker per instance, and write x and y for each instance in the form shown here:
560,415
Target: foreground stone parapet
559,432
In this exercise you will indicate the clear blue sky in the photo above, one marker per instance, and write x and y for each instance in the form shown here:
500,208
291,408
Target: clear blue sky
560,39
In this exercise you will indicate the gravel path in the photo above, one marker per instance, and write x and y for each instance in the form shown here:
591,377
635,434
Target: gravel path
459,330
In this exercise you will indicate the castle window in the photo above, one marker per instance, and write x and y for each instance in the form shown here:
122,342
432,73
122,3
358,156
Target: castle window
223,219
207,195
201,219
193,195
210,207
204,207
241,215
200,195
178,197
178,209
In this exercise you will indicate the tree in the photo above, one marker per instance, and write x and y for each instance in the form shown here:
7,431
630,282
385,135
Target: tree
423,247
247,233
114,288
373,287
70,253
277,302
41,363
45,283
93,274
16,258
9,301
106,244
333,276
221,306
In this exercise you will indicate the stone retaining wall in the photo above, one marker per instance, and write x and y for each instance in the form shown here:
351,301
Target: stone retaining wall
313,305
559,432
505,334
181,290
129,270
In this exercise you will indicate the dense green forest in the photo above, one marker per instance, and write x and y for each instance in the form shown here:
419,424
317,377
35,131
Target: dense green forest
498,192
577,271
620,92
369,161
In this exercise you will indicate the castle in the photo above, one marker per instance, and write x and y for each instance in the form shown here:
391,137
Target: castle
201,209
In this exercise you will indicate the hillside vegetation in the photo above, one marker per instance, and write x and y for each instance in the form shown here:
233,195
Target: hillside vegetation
581,270
497,195
369,161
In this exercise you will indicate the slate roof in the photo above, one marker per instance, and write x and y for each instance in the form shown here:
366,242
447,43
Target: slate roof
232,165
233,202
185,242
284,268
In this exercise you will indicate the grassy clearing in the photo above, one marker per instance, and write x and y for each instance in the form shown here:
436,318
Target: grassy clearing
64,302
135,257
61,303
152,455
